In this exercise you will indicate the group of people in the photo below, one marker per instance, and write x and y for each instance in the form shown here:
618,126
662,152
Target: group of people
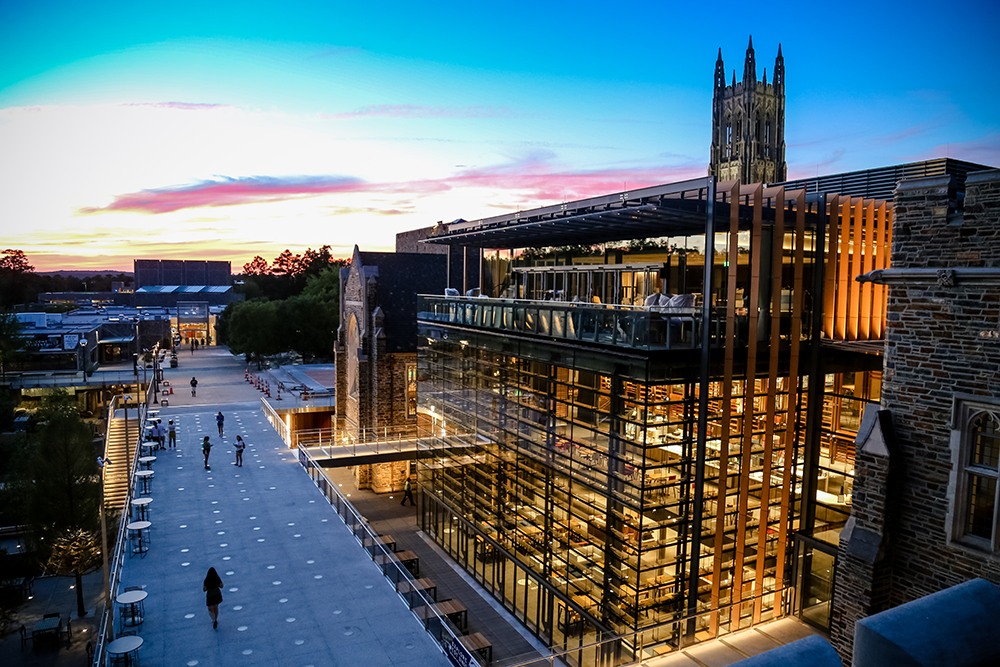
160,434
206,443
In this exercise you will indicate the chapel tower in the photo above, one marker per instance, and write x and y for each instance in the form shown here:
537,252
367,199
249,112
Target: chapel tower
748,124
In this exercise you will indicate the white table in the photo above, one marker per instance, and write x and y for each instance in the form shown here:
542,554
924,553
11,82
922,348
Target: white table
145,476
141,505
125,646
147,461
132,599
142,545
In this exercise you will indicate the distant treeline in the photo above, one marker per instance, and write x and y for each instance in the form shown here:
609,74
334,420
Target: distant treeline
19,284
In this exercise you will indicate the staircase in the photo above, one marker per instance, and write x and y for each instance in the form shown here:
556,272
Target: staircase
116,474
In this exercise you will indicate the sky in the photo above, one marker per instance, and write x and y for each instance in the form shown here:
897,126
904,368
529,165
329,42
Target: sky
224,130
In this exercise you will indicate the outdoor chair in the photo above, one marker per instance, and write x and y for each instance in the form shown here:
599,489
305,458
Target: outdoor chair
90,653
24,636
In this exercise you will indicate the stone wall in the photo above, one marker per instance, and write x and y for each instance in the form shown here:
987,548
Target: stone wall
935,350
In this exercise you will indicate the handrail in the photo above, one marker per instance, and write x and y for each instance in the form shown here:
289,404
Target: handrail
447,635
105,633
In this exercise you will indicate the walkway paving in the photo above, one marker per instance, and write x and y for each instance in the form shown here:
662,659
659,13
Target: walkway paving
299,590
512,643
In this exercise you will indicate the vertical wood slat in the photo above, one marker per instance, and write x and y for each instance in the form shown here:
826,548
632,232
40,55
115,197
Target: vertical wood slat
857,259
887,253
727,398
830,283
878,291
865,331
791,416
843,271
749,386
777,269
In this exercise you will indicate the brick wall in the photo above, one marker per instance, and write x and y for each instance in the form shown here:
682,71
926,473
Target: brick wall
934,350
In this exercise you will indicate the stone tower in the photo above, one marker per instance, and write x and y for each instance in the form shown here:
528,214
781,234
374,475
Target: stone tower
748,124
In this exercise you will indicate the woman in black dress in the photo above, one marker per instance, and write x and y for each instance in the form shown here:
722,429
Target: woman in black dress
213,594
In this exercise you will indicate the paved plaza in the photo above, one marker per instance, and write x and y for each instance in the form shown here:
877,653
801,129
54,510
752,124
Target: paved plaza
299,590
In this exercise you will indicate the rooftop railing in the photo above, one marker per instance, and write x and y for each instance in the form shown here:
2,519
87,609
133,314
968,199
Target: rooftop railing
620,326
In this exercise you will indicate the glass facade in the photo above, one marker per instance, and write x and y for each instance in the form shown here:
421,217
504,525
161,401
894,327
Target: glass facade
565,459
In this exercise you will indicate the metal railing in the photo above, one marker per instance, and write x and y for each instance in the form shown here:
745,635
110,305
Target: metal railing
621,326
116,559
277,423
33,380
437,625
630,648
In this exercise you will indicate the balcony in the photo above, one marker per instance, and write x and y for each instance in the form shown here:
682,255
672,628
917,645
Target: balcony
630,327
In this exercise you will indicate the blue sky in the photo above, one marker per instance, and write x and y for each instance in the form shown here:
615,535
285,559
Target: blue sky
226,130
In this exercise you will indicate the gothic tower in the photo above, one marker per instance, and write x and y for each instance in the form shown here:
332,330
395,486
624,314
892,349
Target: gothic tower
748,124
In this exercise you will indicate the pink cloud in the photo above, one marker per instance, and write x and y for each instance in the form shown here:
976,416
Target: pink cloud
183,106
985,150
415,111
226,192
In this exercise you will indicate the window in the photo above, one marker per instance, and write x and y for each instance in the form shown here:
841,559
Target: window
411,390
976,453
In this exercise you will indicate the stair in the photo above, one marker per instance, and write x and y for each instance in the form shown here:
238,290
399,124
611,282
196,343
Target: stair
116,474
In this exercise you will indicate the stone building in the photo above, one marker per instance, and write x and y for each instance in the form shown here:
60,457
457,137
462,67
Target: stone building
375,352
748,124
926,514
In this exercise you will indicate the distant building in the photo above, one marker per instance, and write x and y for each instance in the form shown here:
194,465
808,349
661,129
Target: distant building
748,124
181,272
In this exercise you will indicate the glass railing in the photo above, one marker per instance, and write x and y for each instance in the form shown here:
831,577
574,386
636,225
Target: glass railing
620,326
437,625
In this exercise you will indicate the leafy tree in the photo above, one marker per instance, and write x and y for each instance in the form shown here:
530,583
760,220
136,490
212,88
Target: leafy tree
11,342
253,329
76,552
257,267
16,278
16,261
65,498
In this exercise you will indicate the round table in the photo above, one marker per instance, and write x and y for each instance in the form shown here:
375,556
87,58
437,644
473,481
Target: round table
145,476
150,445
125,646
141,506
133,599
147,462
142,545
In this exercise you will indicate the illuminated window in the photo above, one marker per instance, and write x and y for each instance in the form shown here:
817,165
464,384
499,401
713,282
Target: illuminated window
976,453
411,390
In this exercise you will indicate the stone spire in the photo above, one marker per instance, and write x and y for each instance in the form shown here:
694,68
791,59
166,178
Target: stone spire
750,67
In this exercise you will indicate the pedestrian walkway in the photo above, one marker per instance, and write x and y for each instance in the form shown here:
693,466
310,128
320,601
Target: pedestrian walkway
299,590
512,643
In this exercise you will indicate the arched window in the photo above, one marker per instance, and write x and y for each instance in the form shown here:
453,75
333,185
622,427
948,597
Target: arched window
974,517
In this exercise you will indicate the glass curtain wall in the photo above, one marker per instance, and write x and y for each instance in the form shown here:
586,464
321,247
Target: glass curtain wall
569,494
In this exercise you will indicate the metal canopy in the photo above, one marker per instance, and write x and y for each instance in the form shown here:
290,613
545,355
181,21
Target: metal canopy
676,209
662,210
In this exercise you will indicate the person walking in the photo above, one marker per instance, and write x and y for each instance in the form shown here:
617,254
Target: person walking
240,446
408,493
206,449
172,432
191,345
213,594
194,386
219,420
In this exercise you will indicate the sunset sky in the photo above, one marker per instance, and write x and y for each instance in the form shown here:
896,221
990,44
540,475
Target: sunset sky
225,130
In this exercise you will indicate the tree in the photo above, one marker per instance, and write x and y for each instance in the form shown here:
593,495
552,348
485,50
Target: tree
17,282
65,499
76,552
252,328
15,261
11,342
257,267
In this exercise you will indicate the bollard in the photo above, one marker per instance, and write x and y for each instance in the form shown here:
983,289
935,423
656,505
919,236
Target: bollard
279,394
